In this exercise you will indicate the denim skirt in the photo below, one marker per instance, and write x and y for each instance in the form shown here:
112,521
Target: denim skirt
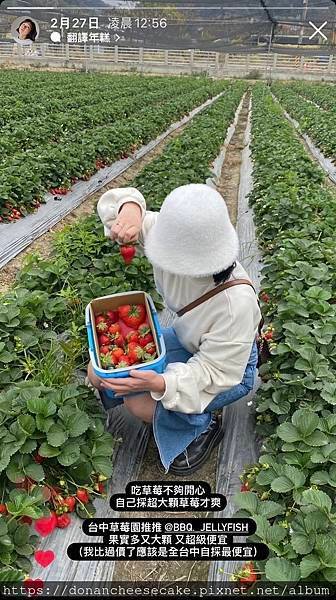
174,431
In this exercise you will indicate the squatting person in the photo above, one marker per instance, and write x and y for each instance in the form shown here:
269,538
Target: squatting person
211,349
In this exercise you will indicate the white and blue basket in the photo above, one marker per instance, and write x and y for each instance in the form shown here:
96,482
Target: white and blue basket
112,302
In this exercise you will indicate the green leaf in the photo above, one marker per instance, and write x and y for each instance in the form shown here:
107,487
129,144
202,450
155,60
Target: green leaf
269,509
11,575
56,435
325,549
308,565
25,550
316,498
27,424
103,465
48,451
41,406
70,453
21,535
28,447
288,433
305,421
6,541
302,543
280,569
77,424
328,393
282,485
35,471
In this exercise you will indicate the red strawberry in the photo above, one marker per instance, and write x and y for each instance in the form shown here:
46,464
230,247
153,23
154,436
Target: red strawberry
116,354
63,521
70,502
132,314
128,253
101,323
26,520
118,340
82,496
245,487
150,348
33,587
103,340
264,297
124,361
144,329
135,353
248,574
144,340
104,350
112,316
3,509
46,525
132,336
114,328
37,458
268,335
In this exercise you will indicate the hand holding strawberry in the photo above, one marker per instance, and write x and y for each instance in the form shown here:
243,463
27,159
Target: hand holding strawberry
127,226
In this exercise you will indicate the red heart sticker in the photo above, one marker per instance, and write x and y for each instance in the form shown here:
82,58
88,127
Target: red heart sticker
33,586
45,525
44,558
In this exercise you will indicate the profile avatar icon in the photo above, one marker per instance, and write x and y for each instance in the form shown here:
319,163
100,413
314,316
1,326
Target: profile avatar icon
25,32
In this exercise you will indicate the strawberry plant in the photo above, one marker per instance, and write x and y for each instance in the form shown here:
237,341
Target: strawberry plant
57,144
318,124
54,449
290,493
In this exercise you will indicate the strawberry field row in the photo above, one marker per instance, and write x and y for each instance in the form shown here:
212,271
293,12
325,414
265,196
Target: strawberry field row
291,492
323,95
52,436
319,125
26,176
52,93
63,128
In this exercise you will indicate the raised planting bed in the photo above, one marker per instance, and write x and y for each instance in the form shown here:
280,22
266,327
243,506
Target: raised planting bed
317,123
43,346
74,143
290,492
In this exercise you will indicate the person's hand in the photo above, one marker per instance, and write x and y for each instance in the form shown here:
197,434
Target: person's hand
139,381
127,226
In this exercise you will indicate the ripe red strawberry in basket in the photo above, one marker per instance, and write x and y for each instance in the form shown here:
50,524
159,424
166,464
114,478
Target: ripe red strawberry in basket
123,362
116,354
135,353
150,349
104,340
132,314
114,329
118,340
112,316
101,324
145,336
132,336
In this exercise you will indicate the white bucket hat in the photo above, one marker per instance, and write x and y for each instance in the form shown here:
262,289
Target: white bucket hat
193,235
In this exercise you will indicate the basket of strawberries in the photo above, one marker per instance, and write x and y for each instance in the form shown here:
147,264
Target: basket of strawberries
124,333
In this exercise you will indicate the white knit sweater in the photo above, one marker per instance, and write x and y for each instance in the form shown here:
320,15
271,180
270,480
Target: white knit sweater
219,332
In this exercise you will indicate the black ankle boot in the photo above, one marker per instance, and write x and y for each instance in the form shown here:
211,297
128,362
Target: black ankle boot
198,452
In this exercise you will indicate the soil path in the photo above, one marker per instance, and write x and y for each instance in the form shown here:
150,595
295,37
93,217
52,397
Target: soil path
185,571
